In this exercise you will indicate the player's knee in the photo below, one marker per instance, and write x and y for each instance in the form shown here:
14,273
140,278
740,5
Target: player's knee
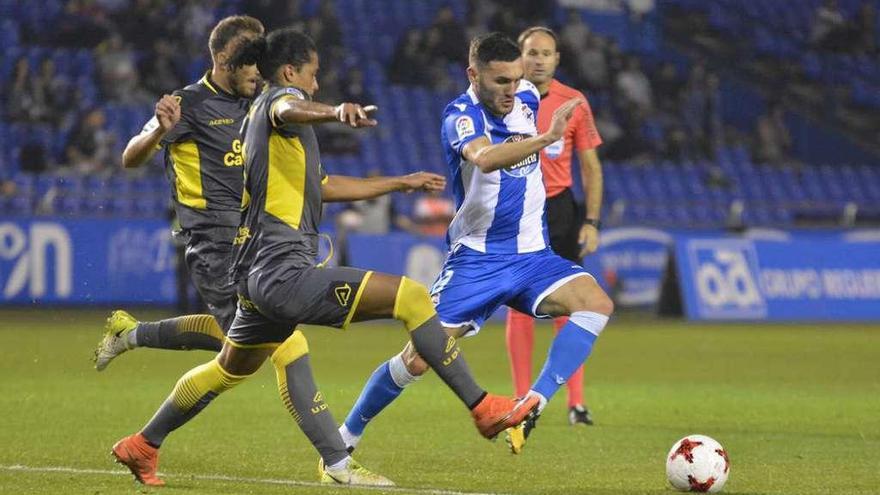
602,304
413,304
295,347
593,299
415,365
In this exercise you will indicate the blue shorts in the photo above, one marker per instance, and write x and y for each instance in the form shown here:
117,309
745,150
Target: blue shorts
472,285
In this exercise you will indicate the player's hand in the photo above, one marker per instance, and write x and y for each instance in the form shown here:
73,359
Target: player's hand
588,239
167,112
423,181
356,115
561,117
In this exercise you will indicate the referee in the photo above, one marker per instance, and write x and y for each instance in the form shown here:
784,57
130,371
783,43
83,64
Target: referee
571,235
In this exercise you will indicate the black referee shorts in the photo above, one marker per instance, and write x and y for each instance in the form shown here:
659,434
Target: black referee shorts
564,220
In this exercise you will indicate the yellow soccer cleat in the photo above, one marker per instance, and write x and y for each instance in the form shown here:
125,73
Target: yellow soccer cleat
353,474
516,436
115,341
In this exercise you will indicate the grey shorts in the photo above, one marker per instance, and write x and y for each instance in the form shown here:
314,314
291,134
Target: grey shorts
271,305
208,257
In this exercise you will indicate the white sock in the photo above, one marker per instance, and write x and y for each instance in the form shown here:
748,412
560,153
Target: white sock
543,400
401,376
350,439
131,339
341,464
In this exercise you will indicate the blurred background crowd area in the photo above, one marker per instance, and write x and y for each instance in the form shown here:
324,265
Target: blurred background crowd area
712,112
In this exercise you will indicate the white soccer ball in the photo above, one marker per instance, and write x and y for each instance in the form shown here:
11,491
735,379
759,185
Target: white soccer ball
697,463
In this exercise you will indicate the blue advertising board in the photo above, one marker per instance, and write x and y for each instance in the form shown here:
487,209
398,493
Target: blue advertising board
635,258
86,261
809,277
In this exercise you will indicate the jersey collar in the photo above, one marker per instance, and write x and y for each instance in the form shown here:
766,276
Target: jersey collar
214,87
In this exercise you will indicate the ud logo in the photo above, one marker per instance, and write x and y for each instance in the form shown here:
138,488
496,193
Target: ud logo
450,346
343,293
320,405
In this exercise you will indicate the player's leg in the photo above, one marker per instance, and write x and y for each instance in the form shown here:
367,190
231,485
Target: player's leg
208,257
388,381
287,301
401,298
554,286
300,395
520,337
578,413
588,308
564,223
192,393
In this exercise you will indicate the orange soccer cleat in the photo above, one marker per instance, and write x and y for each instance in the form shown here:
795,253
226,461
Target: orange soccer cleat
141,458
496,413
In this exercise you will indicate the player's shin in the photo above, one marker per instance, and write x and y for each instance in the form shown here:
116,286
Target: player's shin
569,350
193,392
181,333
413,307
384,385
301,397
575,382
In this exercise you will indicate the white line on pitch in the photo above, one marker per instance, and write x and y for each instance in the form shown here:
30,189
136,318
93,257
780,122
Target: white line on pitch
221,477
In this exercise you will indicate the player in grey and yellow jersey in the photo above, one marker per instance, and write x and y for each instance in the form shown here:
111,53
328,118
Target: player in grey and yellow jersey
280,285
199,128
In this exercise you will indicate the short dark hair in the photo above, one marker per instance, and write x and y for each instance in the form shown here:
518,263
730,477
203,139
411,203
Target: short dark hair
492,47
523,36
282,46
229,28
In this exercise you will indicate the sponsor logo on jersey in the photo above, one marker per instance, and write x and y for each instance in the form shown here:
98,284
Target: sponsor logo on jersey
556,148
525,166
235,156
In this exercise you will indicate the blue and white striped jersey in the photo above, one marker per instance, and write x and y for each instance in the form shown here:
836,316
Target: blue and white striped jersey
500,212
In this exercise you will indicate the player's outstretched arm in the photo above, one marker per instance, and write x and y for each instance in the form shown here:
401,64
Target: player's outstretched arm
342,188
489,157
142,147
296,111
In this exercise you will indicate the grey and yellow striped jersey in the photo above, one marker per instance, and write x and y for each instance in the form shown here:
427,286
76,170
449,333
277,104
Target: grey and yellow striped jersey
203,159
282,196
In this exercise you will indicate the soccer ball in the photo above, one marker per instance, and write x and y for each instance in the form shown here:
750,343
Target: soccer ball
697,463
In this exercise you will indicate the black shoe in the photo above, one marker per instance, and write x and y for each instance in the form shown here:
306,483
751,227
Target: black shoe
579,415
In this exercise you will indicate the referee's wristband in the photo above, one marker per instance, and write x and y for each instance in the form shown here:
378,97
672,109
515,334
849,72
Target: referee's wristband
595,222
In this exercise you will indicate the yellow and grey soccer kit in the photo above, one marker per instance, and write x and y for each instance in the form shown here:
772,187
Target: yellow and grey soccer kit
280,285
203,164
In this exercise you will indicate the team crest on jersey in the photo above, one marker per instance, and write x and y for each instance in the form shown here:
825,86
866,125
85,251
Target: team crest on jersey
464,127
525,166
527,111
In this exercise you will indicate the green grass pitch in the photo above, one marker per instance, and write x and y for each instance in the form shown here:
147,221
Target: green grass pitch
798,408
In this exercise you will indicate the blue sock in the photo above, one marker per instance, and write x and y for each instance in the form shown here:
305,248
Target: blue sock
569,350
379,391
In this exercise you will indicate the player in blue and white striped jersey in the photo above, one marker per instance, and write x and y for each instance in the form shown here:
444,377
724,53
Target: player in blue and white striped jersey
499,249
499,211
